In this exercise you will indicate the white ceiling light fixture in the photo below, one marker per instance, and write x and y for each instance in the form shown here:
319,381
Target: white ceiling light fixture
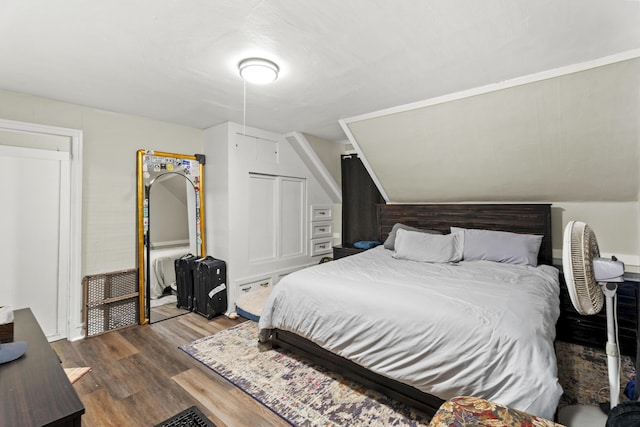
258,70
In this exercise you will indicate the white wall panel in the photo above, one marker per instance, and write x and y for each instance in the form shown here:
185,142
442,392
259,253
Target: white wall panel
292,218
262,217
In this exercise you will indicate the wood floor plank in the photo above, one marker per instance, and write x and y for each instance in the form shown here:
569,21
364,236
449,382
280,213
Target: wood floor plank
179,334
224,400
165,312
157,347
117,345
204,329
69,353
139,376
101,410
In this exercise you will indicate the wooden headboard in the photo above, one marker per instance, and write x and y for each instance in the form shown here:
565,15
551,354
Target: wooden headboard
516,218
528,219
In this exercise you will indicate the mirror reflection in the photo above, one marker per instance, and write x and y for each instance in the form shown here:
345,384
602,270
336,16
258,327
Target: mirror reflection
170,226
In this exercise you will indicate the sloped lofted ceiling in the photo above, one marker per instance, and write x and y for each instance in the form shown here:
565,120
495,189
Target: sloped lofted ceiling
574,137
570,137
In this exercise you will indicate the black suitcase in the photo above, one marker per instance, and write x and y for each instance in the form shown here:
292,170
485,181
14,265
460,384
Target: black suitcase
210,287
184,280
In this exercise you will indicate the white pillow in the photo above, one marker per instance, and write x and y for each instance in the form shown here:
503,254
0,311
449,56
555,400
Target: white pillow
499,246
424,247
389,243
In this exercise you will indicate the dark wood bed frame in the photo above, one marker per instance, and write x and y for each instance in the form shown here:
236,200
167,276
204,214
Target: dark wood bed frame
518,218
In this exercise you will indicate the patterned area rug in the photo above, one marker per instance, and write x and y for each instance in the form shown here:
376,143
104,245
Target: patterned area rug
300,392
582,372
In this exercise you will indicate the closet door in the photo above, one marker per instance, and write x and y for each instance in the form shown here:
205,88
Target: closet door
34,227
263,215
359,198
276,217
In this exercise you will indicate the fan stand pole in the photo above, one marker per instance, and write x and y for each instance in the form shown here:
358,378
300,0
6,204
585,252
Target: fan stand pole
613,357
591,416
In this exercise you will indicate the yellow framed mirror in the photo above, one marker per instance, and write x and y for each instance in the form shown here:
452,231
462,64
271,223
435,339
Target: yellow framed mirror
170,223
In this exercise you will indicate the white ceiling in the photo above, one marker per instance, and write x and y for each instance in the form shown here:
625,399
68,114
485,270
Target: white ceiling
176,60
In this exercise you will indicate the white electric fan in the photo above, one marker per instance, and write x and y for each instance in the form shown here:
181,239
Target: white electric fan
590,280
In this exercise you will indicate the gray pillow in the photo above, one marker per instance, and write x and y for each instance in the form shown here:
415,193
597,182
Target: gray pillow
391,238
499,246
426,247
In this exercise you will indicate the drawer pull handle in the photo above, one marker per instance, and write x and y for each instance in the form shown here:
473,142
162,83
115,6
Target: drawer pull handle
264,284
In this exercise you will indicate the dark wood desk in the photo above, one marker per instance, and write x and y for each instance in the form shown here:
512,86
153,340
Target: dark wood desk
34,390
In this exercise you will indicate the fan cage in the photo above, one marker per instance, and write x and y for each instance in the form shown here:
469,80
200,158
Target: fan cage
584,248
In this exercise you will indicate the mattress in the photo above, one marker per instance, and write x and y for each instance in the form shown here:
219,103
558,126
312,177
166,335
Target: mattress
162,271
478,328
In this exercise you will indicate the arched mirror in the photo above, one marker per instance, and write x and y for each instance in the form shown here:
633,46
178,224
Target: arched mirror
170,225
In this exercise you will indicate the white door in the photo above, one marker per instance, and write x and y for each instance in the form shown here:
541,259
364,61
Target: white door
34,225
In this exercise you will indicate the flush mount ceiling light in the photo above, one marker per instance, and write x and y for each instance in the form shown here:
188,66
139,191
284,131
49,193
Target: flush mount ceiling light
258,70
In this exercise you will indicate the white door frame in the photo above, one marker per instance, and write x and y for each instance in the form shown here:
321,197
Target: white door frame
74,324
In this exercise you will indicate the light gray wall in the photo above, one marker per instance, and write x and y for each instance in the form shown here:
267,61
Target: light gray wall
109,169
329,153
572,140
168,212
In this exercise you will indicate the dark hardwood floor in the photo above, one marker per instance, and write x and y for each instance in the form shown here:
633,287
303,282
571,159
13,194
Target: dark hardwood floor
139,377
165,312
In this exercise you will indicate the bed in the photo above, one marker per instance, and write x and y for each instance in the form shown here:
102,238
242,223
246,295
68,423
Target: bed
162,270
425,332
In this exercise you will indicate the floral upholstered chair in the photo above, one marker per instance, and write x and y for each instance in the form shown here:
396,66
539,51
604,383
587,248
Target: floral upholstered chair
472,411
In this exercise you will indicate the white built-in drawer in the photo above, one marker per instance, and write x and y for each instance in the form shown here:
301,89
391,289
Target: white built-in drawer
321,229
254,286
321,212
320,246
